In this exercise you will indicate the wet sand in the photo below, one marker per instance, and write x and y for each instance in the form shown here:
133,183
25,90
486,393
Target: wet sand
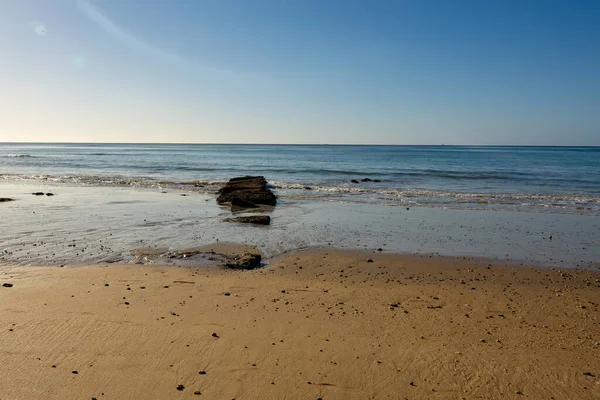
90,225
313,324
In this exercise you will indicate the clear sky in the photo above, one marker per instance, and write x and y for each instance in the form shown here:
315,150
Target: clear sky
303,71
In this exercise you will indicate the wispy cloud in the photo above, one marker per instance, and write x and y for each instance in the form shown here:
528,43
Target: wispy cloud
141,46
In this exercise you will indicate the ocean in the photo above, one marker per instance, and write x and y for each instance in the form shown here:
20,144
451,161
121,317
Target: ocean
538,179
536,205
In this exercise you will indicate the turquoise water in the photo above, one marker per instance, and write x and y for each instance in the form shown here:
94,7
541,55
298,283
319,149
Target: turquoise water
540,179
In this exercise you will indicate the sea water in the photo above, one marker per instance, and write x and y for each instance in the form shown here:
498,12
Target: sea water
539,205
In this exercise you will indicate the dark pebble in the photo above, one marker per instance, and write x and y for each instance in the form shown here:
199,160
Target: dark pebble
214,334
227,294
197,393
203,372
74,372
370,260
7,285
180,387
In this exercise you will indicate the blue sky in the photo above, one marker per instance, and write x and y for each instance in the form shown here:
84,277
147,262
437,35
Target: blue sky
305,71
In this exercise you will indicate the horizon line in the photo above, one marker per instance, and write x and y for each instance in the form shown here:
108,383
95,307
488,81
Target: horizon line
303,144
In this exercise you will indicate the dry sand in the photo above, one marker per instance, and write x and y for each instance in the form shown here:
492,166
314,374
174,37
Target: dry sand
313,324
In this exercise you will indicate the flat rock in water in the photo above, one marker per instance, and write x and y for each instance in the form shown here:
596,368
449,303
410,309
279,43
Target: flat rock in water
247,189
245,261
240,203
254,219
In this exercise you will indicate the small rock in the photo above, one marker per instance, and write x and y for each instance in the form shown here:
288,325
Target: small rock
74,372
587,373
203,372
197,393
180,387
226,294
7,285
246,261
253,219
370,260
38,193
214,334
49,194
354,181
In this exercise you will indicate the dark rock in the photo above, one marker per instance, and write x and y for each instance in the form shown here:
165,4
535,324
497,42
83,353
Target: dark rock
74,372
203,372
245,261
254,219
236,202
251,189
214,334
256,196
38,193
376,180
366,180
7,285
5,199
354,181
307,188
370,260
49,194
180,387
197,393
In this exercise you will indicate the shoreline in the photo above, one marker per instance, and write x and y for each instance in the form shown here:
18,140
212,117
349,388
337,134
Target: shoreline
315,323
106,224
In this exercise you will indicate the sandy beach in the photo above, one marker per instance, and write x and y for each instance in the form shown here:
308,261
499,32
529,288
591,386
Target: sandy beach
312,324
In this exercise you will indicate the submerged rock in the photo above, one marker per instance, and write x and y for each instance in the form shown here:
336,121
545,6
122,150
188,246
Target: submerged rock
245,261
247,189
254,219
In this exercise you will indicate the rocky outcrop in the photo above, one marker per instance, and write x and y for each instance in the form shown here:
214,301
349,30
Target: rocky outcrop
247,189
254,219
365,180
245,261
